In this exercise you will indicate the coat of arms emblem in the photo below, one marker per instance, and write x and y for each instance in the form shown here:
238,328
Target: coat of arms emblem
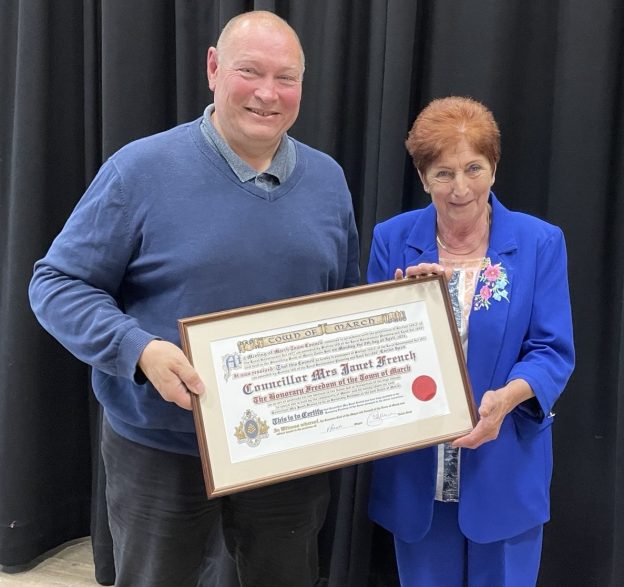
251,429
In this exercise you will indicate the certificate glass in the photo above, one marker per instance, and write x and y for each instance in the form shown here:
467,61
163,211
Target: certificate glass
309,384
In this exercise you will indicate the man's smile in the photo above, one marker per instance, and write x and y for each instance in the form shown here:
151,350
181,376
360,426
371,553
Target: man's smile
263,113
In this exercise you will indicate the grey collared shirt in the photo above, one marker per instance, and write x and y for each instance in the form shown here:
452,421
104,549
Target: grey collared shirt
277,173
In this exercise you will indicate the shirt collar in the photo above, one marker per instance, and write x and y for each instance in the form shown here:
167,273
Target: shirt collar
278,172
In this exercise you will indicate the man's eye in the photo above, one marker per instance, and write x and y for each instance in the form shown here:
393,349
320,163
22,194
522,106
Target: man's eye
286,80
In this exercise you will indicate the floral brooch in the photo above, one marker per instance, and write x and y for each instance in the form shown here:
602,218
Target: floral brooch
494,280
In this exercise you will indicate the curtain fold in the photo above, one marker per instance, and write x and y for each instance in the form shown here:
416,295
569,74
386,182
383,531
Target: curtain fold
81,78
44,447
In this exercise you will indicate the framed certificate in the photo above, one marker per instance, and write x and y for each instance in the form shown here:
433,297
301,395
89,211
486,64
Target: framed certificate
313,383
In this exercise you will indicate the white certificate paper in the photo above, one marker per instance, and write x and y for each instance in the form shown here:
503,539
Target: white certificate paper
312,382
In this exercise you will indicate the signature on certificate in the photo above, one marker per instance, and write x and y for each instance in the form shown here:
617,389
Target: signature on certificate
377,418
335,426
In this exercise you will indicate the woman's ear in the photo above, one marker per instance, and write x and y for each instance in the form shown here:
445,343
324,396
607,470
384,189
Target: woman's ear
423,181
493,176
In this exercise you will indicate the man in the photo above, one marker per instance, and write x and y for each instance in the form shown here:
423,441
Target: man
222,212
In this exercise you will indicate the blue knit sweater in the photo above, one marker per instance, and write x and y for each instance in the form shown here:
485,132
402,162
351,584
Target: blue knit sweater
167,231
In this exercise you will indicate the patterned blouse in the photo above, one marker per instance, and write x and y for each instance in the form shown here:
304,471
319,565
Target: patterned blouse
461,290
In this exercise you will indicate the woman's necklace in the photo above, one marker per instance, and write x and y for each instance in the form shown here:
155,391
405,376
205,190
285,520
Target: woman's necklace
452,253
487,231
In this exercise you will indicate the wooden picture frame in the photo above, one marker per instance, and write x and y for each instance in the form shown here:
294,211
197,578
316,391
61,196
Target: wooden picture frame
313,383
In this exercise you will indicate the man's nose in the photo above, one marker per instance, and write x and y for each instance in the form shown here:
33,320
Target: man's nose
265,90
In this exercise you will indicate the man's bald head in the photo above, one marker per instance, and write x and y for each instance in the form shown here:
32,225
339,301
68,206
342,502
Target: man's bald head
242,23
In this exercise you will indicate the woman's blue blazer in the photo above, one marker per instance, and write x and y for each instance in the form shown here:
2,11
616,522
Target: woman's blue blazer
504,484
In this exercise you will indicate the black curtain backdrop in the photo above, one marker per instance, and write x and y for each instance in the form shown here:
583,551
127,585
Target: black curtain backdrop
81,78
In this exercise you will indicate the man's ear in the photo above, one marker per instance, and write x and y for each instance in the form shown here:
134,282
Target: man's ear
211,67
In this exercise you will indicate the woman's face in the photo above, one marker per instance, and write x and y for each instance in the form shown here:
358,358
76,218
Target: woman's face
459,182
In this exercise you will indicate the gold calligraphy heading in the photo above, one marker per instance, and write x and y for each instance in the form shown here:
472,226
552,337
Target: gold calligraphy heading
320,330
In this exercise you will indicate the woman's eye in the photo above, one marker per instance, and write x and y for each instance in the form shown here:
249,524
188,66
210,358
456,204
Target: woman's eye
475,169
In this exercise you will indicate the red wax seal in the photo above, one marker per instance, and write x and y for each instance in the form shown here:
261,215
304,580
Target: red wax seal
424,388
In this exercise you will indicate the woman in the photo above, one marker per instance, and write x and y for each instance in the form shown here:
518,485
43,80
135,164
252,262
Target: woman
472,512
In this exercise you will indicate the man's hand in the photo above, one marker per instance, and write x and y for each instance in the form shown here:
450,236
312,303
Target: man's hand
170,372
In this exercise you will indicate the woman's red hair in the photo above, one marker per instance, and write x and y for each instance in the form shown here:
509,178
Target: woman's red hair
444,122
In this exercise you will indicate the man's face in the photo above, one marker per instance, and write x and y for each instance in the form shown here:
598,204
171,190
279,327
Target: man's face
256,79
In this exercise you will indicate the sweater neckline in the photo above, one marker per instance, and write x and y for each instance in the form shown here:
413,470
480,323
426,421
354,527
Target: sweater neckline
249,186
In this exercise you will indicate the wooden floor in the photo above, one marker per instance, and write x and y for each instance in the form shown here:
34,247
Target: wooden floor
70,565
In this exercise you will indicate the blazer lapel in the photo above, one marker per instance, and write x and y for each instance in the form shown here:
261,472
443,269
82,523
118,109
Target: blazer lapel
420,245
488,322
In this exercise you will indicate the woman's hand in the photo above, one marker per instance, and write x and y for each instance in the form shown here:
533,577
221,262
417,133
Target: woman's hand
170,372
422,269
495,405
492,411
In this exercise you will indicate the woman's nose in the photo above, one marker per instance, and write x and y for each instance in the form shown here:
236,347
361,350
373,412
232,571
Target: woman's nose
460,184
